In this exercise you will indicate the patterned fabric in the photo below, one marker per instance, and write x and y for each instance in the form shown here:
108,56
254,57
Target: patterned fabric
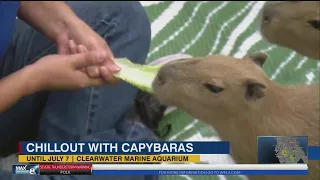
201,28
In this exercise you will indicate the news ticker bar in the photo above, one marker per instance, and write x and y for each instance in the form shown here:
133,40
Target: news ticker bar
107,158
161,169
177,172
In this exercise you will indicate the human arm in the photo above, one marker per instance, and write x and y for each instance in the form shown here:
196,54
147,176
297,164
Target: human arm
53,72
56,20
52,18
16,86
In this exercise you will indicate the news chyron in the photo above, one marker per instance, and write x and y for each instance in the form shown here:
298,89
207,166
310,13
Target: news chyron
32,169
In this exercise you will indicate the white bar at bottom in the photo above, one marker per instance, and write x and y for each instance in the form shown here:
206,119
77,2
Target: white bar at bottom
200,167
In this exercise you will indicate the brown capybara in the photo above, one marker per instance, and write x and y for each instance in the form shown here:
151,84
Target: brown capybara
238,99
294,25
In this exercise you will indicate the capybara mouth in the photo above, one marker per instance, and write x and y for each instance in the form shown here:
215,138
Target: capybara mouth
160,80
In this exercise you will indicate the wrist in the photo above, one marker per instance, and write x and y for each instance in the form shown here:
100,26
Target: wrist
33,81
63,27
64,33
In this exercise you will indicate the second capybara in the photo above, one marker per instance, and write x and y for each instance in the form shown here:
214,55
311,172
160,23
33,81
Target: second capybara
294,25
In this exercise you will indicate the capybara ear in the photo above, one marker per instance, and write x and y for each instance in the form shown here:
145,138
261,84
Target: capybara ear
259,58
255,89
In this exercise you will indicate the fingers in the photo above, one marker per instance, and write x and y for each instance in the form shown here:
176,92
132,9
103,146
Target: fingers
82,80
109,67
82,49
88,81
107,72
93,71
107,76
81,60
62,43
63,49
73,47
95,82
113,68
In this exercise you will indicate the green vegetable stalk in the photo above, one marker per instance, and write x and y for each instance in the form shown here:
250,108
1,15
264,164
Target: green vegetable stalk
140,76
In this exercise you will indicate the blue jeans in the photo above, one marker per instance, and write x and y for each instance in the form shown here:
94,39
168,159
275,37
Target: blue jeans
96,113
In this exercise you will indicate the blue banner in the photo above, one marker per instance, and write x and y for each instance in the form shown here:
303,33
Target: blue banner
200,172
313,152
52,148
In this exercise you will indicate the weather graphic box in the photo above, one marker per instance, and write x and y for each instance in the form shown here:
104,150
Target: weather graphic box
282,149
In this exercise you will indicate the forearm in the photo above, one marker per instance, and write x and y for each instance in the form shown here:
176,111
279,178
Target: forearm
16,86
51,18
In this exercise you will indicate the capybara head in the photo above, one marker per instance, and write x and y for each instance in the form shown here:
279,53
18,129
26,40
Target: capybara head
218,83
294,25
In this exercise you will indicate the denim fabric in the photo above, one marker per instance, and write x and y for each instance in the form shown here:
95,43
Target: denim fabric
98,113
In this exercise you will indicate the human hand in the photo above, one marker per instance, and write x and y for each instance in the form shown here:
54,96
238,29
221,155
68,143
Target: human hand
82,34
63,72
74,49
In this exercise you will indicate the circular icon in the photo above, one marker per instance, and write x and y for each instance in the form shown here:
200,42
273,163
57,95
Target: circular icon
32,171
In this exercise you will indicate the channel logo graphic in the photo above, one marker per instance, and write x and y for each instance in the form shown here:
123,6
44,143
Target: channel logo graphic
32,169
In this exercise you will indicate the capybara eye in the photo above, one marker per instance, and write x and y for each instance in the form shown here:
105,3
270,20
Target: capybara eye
213,88
315,24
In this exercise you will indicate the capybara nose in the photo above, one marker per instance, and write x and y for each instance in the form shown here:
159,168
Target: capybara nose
268,13
164,73
160,79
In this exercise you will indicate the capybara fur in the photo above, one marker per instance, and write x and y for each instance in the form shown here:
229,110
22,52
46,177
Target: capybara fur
237,98
294,25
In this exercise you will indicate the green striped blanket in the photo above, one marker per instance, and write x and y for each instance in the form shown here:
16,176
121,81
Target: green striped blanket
202,28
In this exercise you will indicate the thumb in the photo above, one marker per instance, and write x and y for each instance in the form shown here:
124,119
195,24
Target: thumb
85,59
